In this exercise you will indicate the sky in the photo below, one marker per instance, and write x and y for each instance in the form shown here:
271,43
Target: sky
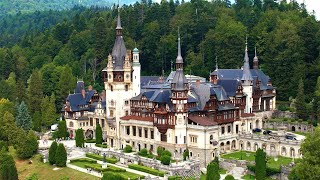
310,4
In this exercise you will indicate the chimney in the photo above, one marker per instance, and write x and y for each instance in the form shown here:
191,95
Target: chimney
103,96
83,92
90,88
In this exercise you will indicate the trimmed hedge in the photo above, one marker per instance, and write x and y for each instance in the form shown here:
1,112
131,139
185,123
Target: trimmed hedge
118,176
98,167
146,170
127,149
174,178
270,171
83,160
90,141
101,145
100,158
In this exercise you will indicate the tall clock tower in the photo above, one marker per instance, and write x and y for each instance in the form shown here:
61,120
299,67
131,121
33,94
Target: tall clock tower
179,98
119,84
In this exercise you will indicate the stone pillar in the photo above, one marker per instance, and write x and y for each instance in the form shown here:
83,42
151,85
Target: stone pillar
131,133
142,132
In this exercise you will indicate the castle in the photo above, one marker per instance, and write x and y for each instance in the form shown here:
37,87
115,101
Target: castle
178,113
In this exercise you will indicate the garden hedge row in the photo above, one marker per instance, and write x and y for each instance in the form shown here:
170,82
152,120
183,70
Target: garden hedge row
146,170
117,176
270,171
100,158
97,167
90,141
83,160
102,145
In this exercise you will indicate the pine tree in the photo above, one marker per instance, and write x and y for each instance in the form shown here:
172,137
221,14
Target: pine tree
65,85
8,168
61,156
98,134
79,138
213,171
62,129
300,102
48,110
35,91
23,119
36,121
52,152
260,169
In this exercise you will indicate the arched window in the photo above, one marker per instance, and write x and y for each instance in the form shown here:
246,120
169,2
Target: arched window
111,113
71,124
211,139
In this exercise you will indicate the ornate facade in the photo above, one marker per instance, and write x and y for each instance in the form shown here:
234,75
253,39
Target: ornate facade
207,118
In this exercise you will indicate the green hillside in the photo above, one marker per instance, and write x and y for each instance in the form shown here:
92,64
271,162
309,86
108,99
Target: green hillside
27,6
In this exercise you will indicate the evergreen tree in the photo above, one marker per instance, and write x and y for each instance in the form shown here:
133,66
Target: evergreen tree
8,170
301,108
8,127
79,138
62,129
35,91
27,145
260,169
21,91
65,85
23,119
52,152
61,156
213,171
48,110
36,121
11,81
98,134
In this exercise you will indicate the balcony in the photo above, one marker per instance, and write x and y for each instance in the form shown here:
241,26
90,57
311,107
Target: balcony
163,127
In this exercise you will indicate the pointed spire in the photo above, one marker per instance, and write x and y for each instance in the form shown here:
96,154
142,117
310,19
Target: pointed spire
179,59
216,63
119,28
255,59
246,67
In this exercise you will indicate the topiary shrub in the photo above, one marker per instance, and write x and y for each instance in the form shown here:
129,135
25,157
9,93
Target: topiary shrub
185,154
166,153
159,150
143,152
165,159
229,177
61,156
127,149
52,153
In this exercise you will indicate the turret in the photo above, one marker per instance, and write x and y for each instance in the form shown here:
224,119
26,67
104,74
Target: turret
246,76
136,72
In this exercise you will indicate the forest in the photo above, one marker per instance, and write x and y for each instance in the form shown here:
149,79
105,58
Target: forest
23,6
59,47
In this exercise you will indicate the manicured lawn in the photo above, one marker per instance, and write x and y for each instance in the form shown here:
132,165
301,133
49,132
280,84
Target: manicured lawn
245,155
221,171
128,174
81,164
281,161
250,156
45,170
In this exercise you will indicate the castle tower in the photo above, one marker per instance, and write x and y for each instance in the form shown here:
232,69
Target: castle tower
247,81
136,72
179,98
119,84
